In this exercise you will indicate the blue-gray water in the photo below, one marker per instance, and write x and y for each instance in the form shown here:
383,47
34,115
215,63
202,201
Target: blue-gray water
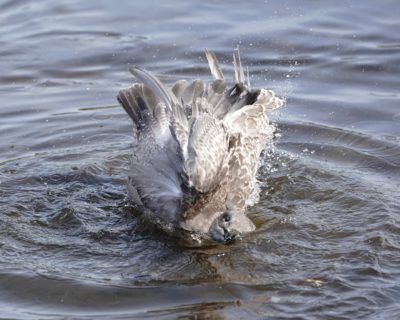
327,244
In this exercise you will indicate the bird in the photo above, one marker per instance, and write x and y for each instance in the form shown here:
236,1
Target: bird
197,151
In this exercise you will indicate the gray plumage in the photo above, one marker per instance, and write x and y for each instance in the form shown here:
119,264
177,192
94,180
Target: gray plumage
197,152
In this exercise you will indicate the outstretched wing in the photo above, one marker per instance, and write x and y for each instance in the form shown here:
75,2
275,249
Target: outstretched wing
251,132
214,115
156,181
157,177
251,119
148,112
177,119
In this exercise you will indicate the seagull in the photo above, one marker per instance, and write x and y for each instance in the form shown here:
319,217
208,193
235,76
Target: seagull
197,151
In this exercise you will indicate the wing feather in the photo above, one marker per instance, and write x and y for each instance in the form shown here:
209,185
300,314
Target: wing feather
155,85
178,88
193,91
207,151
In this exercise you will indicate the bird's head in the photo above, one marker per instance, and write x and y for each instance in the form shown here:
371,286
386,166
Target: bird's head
230,225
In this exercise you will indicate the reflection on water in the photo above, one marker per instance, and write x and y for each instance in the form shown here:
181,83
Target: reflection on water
328,219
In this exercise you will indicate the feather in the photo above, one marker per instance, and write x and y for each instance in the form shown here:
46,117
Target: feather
236,75
176,110
238,68
198,148
241,72
193,91
146,110
214,65
158,181
207,149
155,85
178,88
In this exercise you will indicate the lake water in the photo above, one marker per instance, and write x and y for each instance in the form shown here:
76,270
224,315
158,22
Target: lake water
327,244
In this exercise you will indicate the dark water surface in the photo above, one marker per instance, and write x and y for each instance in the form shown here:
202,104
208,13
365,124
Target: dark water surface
327,244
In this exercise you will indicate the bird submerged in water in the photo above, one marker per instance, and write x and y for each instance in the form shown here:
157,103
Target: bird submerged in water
197,152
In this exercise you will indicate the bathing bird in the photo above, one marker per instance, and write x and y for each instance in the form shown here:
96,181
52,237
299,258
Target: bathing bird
197,150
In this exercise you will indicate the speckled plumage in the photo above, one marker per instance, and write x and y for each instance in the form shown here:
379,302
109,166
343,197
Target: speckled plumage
198,149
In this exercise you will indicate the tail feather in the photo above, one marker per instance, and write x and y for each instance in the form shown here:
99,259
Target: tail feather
226,101
239,76
214,65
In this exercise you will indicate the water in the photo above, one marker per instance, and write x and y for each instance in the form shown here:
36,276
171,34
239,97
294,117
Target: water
327,244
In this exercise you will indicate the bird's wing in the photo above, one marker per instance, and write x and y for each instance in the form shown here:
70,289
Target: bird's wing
157,176
178,88
178,124
250,133
251,119
147,111
207,152
193,91
155,85
157,180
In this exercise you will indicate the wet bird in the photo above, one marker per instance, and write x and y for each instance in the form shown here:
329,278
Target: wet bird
197,152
